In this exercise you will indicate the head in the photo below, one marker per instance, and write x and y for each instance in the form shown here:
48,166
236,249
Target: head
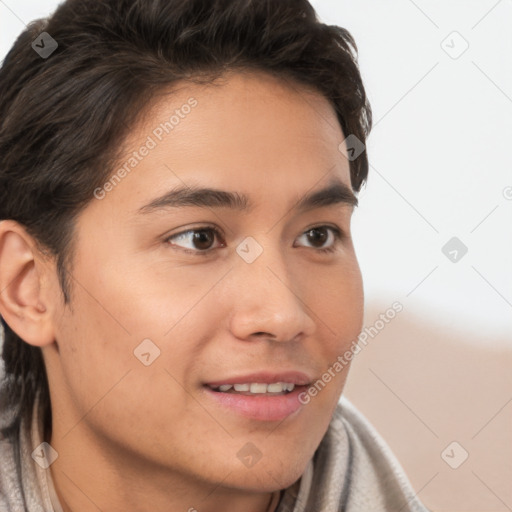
112,306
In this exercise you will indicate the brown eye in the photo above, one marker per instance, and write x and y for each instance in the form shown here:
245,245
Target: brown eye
200,240
203,239
317,236
323,238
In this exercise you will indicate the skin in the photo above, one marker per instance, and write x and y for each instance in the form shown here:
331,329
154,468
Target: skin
135,437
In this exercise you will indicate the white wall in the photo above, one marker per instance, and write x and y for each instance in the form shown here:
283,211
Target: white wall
440,151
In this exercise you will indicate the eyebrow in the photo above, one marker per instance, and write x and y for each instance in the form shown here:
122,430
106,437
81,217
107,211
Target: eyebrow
336,192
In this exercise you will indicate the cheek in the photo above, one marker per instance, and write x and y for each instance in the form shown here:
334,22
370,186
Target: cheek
94,346
351,301
337,300
129,317
339,308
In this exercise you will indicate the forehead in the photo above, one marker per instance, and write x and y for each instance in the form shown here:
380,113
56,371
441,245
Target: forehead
245,91
245,113
249,132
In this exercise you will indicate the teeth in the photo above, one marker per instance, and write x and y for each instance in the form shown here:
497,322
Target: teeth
259,388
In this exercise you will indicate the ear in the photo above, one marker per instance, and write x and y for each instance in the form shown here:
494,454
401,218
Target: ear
24,298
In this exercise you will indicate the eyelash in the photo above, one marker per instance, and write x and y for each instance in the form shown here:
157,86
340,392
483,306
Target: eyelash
338,235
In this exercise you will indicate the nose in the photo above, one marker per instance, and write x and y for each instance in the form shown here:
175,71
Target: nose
267,300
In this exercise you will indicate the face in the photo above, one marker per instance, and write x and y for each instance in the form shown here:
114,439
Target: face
170,294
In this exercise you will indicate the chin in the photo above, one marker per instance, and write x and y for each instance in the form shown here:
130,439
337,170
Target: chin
267,478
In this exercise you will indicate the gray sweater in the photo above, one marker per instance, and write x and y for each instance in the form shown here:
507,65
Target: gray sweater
353,470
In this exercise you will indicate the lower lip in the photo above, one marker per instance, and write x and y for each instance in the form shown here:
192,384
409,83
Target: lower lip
259,407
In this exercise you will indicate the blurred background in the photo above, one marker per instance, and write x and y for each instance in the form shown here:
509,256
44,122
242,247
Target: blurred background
434,232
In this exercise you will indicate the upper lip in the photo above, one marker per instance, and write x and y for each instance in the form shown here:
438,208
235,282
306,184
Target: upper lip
266,377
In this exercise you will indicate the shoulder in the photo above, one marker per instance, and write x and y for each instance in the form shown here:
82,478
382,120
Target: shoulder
23,483
348,421
11,492
376,479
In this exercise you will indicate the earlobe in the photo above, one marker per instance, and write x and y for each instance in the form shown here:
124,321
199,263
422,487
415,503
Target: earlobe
22,304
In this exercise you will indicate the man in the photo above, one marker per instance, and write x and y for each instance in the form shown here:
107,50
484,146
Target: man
178,277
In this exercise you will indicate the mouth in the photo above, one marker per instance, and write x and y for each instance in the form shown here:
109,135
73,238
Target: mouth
256,388
262,396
